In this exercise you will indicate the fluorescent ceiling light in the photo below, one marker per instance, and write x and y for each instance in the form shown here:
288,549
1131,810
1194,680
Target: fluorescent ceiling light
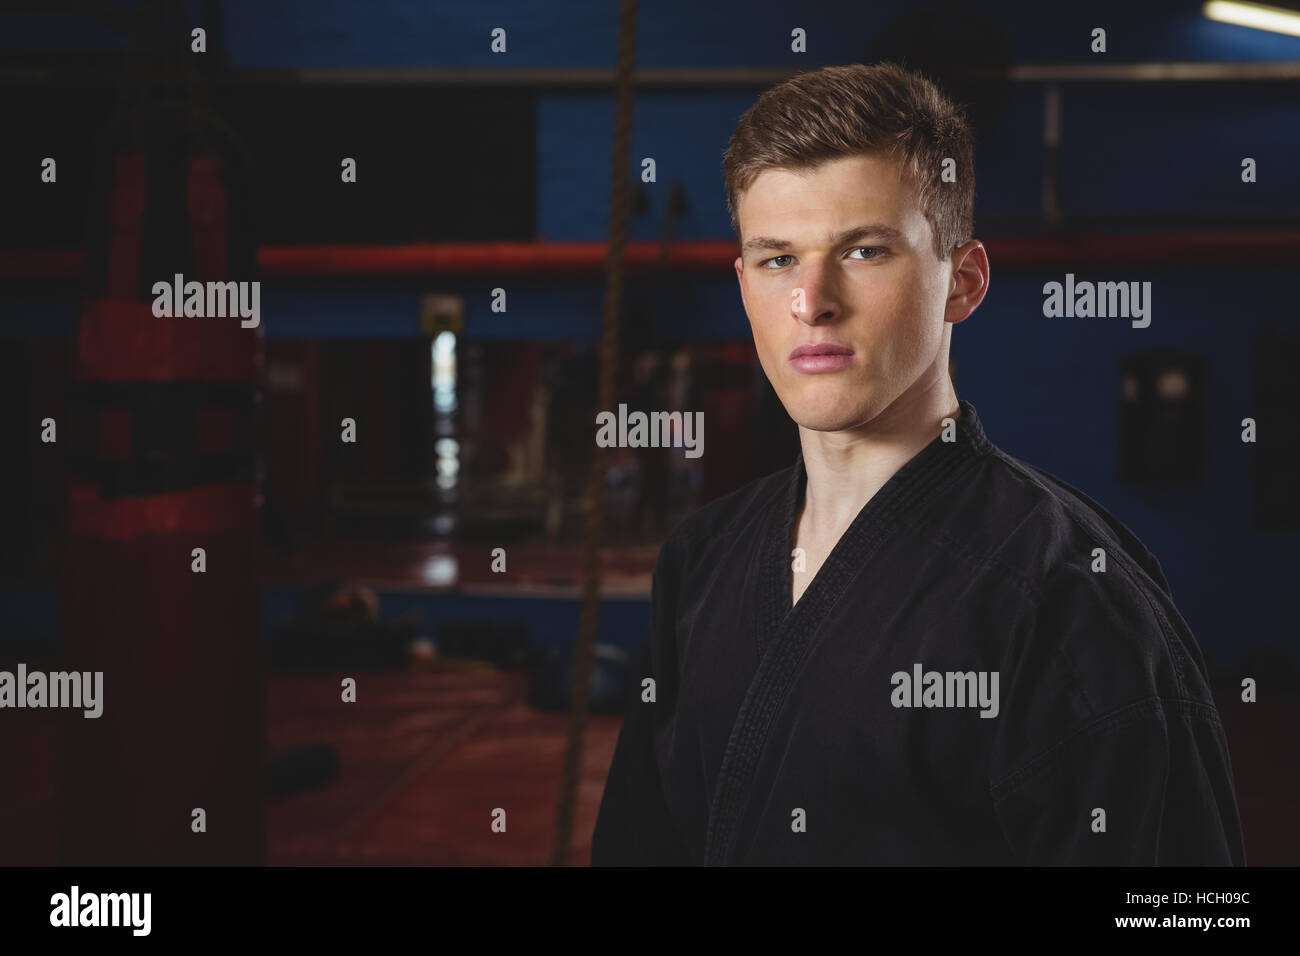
1257,15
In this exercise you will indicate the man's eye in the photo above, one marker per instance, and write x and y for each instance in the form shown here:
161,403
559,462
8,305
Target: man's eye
773,259
875,249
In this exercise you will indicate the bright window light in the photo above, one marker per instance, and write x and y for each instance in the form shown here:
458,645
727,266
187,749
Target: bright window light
444,372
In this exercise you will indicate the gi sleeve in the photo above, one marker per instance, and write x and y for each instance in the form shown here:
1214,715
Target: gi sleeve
634,826
1113,752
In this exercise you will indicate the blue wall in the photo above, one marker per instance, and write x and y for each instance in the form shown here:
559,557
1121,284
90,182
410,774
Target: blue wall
326,34
1156,152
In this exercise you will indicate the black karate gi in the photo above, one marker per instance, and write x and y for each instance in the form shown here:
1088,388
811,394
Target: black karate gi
966,560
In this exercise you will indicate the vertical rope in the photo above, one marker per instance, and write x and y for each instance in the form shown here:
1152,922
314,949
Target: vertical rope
619,213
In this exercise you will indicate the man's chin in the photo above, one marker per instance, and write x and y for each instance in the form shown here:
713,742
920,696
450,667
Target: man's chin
828,420
824,409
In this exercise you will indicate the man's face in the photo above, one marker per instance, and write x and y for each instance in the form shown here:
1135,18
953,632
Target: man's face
874,300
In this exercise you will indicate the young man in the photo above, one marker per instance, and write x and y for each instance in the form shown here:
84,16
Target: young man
908,647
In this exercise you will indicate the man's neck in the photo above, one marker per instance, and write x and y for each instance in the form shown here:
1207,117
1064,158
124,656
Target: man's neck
846,469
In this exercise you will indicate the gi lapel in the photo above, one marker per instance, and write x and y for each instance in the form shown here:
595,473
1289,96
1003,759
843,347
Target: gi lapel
786,634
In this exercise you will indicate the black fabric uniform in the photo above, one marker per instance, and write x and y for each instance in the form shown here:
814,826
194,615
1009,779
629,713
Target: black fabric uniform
774,737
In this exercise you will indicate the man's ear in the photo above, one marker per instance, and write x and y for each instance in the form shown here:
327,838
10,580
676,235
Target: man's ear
969,282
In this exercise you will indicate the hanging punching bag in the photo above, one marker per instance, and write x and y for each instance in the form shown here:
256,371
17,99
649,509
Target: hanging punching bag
159,578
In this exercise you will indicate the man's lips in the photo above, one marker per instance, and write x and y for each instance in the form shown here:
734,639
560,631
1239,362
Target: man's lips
824,357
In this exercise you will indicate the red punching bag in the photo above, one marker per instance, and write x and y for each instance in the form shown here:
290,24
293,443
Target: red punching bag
159,584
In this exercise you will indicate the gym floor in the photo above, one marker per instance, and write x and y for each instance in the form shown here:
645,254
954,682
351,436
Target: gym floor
425,760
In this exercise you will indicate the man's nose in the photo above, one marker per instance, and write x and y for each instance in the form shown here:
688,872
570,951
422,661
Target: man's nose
816,299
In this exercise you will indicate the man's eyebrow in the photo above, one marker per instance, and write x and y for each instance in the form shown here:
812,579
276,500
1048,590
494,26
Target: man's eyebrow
868,231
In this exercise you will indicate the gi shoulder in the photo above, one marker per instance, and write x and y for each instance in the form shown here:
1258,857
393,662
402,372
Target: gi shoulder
713,524
1104,630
